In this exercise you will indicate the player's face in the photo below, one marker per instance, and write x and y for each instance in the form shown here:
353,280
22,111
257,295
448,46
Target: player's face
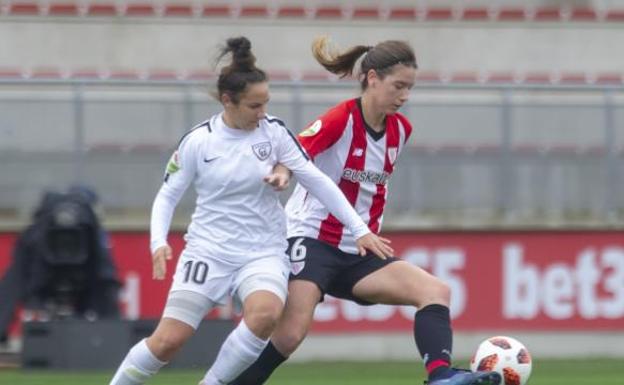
393,90
251,106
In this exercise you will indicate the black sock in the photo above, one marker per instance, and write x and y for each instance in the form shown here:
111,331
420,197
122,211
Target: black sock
262,368
434,338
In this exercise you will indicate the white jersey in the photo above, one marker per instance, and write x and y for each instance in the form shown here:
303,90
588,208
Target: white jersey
238,217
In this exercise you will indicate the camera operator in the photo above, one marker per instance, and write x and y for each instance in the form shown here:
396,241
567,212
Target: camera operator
62,266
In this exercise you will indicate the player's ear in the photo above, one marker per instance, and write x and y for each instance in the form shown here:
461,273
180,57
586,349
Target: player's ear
372,77
226,100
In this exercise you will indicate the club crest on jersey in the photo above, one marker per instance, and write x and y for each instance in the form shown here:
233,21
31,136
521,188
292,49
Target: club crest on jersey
392,154
313,129
262,150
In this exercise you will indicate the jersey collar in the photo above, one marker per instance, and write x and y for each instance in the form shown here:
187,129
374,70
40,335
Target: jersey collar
374,134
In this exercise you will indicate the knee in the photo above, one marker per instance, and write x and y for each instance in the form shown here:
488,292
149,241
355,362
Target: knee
262,322
439,293
165,345
434,292
288,341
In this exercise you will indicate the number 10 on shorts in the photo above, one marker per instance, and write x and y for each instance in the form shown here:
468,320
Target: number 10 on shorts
195,271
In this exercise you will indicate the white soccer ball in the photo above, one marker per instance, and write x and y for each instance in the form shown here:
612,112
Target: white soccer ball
504,355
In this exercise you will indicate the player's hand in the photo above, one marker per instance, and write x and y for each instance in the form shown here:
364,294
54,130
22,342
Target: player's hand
375,244
279,178
159,262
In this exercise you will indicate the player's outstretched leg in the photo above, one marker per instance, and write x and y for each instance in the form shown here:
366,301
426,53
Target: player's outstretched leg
434,338
465,377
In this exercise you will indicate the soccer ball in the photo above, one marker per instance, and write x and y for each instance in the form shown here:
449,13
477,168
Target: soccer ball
506,356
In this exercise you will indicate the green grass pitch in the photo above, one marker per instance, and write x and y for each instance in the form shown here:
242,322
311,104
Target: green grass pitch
545,372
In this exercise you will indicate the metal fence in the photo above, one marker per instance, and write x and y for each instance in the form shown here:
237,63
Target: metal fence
481,154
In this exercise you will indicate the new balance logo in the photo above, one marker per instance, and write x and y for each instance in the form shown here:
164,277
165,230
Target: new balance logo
357,152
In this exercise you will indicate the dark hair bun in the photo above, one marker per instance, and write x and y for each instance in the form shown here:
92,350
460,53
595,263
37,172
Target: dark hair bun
242,58
238,44
234,77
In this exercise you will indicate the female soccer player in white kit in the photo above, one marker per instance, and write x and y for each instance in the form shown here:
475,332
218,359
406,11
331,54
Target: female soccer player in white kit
236,241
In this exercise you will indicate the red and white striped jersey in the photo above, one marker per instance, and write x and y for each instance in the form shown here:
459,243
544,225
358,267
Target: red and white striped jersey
359,160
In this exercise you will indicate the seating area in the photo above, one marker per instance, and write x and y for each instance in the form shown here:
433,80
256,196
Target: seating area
400,11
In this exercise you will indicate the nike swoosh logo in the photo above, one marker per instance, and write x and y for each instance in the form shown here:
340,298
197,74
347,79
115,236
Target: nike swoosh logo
207,160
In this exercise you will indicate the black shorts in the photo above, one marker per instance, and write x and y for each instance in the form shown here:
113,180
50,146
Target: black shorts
331,269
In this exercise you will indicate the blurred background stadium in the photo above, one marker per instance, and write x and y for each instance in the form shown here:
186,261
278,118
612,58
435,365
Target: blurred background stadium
512,188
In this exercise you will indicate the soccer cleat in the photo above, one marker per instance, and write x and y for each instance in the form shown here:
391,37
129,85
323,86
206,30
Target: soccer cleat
466,377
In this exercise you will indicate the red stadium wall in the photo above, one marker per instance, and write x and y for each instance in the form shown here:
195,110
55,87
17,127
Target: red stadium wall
531,281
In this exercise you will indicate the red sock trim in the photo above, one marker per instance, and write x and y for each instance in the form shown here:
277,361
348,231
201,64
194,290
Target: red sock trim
436,364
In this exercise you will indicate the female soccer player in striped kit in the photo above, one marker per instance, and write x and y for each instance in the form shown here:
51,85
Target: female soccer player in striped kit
357,143
235,242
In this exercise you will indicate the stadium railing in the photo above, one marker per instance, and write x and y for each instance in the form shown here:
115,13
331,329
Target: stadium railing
502,149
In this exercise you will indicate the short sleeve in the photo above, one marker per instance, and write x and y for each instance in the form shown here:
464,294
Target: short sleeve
325,131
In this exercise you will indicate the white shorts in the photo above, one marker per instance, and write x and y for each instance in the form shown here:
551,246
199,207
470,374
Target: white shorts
200,283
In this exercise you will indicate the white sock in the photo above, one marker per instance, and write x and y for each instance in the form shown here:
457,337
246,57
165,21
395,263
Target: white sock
139,365
237,353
